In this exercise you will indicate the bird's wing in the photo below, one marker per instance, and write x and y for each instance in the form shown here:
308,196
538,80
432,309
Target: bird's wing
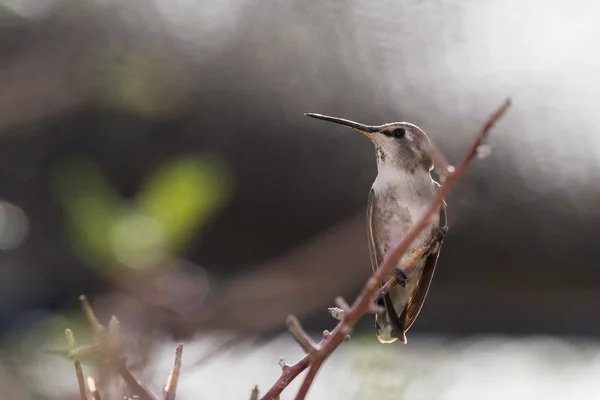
376,258
415,303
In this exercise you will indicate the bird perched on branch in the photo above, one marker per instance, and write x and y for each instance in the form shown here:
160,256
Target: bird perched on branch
398,199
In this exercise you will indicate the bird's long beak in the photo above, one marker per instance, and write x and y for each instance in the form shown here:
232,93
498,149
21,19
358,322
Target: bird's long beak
364,129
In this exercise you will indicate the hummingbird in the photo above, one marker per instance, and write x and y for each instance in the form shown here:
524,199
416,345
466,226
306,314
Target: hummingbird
399,197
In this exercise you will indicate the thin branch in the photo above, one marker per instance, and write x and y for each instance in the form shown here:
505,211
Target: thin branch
376,309
108,344
364,300
91,316
78,369
341,303
220,348
254,394
114,333
300,335
288,374
171,386
93,389
120,364
87,352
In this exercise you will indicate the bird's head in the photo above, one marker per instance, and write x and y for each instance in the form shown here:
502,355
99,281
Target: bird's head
397,144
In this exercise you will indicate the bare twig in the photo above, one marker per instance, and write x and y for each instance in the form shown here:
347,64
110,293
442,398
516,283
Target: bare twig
254,394
375,309
288,374
300,335
93,389
88,353
78,369
108,344
91,316
220,348
364,300
341,303
120,364
114,333
171,386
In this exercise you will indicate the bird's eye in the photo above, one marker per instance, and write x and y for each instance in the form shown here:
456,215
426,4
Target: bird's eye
399,132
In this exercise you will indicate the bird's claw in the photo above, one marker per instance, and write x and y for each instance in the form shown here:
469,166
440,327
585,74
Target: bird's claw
400,276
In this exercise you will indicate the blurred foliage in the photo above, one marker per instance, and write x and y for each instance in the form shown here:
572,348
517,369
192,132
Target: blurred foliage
147,80
174,203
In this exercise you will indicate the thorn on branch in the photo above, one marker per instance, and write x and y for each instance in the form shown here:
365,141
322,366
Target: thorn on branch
301,337
172,381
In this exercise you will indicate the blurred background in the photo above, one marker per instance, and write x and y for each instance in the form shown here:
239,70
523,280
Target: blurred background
155,157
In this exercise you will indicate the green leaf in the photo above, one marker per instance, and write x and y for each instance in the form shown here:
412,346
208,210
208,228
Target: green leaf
182,196
92,206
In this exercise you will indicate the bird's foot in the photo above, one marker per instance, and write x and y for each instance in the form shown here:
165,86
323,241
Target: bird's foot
400,276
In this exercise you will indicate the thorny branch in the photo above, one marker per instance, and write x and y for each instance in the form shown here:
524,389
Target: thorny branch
315,359
120,365
301,337
78,369
338,313
107,339
106,348
107,345
171,386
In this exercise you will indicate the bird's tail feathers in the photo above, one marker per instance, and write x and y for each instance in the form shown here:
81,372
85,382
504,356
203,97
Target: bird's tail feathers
384,330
